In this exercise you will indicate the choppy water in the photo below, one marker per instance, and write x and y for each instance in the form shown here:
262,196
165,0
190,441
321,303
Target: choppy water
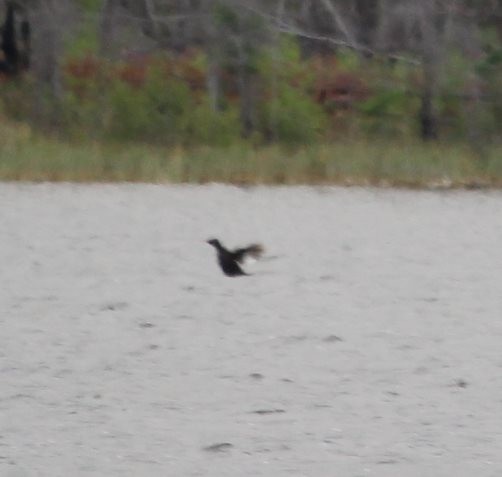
368,343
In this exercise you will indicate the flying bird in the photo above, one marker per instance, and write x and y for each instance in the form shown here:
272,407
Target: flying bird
230,260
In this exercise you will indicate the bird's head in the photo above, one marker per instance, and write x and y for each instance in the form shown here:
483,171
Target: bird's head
214,242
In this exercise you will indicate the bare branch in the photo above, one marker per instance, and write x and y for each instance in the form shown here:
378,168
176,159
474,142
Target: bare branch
288,28
330,7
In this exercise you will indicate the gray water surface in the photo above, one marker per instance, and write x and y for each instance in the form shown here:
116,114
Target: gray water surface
368,342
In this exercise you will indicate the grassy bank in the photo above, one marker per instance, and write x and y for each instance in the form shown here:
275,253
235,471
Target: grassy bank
27,156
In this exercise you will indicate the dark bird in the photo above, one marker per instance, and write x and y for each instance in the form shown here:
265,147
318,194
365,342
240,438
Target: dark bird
230,260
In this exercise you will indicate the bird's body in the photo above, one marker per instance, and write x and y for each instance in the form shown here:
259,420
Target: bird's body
230,260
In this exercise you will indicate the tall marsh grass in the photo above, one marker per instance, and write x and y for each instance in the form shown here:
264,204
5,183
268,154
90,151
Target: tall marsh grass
28,156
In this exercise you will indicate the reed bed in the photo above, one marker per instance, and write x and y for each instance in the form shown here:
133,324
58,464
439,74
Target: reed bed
28,156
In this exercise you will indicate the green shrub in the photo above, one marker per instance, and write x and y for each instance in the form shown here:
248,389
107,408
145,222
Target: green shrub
155,112
288,112
387,112
216,128
293,117
130,115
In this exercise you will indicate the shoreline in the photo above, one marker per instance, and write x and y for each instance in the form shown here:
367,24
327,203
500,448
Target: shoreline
439,186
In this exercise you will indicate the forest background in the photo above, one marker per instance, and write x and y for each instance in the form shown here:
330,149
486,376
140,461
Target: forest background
387,92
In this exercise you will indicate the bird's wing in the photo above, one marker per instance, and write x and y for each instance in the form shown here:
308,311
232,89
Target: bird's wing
254,250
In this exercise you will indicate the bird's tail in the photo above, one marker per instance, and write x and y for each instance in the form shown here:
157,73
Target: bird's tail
255,250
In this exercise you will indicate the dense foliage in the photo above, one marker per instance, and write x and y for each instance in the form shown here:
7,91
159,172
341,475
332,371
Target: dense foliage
239,76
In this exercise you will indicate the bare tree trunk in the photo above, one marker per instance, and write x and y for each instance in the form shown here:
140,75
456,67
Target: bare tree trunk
430,67
47,18
246,97
273,132
213,81
50,21
247,38
213,53
368,13
427,115
106,33
152,30
383,25
11,57
474,107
